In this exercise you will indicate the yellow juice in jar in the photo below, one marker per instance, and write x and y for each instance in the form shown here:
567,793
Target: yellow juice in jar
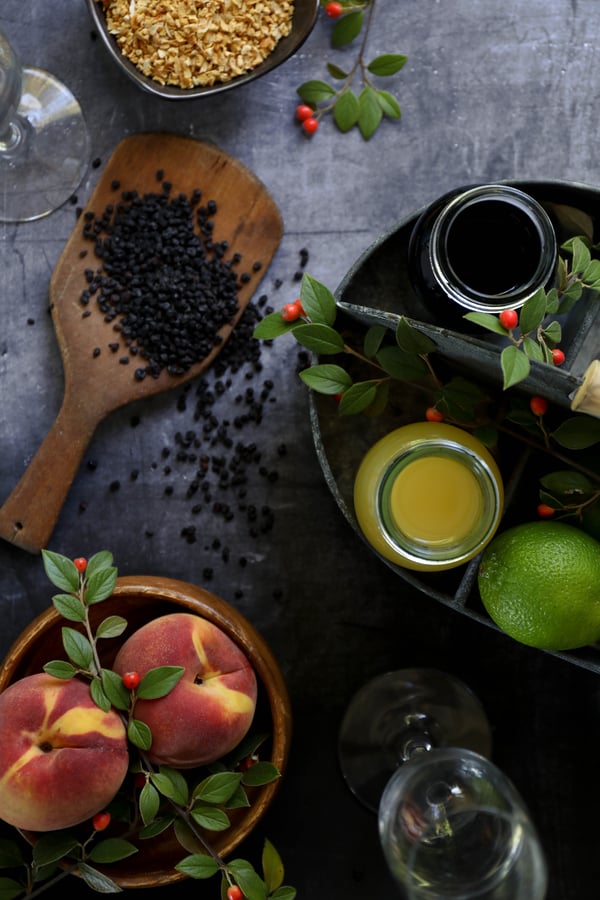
428,496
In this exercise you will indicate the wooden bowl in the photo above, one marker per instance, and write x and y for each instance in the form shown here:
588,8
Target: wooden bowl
139,599
303,21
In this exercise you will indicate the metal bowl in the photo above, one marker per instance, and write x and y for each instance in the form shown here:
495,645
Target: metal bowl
303,21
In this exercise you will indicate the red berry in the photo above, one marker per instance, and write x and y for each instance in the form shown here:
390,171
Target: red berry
334,10
139,780
558,357
234,893
538,406
304,112
131,680
310,125
80,564
509,318
545,511
434,415
291,311
101,821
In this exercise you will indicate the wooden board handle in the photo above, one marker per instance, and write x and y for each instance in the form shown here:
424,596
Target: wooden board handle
29,514
587,397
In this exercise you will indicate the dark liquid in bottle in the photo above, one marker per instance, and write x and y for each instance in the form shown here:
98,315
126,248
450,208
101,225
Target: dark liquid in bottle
493,247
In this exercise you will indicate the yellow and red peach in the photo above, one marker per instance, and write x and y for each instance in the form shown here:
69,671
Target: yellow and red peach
211,708
62,758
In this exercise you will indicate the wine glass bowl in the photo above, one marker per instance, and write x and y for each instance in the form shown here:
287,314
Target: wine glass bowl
453,826
44,144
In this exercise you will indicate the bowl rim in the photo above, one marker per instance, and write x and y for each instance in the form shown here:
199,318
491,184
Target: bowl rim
283,50
203,603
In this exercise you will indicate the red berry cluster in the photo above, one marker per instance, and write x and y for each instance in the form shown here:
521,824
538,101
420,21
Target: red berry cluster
509,319
292,311
307,118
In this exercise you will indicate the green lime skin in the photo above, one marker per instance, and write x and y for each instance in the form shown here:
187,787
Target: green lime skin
540,584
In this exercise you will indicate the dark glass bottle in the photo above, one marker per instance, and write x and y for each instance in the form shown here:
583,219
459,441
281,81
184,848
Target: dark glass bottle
480,249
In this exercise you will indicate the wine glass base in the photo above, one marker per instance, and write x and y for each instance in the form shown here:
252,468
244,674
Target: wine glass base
46,168
402,713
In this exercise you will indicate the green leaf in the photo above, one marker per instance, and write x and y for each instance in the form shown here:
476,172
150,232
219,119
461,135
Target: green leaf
387,64
260,773
317,301
347,28
370,112
533,349
156,827
373,339
336,72
515,366
100,585
552,301
149,803
346,110
389,105
533,312
101,560
97,880
172,784
313,92
358,398
285,892
487,434
272,867
217,788
198,865
570,297
111,627
139,734
159,682
401,365
53,846
78,648
487,321
411,340
70,607
552,333
61,571
253,887
115,690
326,379
10,889
211,818
98,695
321,339
112,850
59,668
272,326
581,256
578,432
11,854
591,274
238,800
568,485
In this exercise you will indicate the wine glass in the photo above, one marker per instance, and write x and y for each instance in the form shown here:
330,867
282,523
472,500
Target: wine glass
44,144
454,827
414,747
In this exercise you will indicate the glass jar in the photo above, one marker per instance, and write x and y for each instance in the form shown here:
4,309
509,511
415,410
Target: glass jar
481,249
428,496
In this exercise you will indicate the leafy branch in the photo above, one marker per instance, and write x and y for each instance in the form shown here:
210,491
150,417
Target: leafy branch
365,107
410,358
536,337
152,799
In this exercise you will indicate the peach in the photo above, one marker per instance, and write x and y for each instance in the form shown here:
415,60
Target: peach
211,708
62,759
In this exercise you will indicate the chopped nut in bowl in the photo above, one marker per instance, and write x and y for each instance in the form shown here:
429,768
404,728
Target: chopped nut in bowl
183,49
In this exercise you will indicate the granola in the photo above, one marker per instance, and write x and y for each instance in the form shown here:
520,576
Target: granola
189,43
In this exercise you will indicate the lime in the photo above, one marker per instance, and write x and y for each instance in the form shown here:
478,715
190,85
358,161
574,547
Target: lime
540,583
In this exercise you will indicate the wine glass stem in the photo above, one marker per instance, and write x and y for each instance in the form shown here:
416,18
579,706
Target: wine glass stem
13,137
